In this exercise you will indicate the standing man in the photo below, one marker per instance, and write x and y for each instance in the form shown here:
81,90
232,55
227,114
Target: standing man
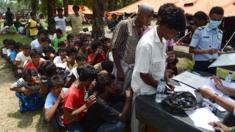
206,42
75,20
9,17
125,39
60,20
150,60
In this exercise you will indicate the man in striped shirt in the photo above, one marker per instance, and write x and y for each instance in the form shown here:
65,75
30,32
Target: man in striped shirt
125,39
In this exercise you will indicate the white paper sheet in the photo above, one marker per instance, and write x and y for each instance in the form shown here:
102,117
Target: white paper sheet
190,79
202,117
224,60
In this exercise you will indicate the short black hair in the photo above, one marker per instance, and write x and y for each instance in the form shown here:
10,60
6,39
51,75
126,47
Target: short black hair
70,36
26,47
28,73
103,80
58,30
201,16
62,49
217,10
48,49
42,32
34,53
95,44
80,57
107,65
59,9
87,73
47,68
57,81
171,16
76,7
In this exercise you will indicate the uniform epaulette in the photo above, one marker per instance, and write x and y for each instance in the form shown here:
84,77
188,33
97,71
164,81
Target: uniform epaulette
202,27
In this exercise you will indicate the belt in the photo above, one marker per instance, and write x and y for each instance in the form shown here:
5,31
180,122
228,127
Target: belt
210,60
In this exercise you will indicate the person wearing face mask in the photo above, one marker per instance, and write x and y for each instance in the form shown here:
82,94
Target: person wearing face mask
150,60
126,36
206,42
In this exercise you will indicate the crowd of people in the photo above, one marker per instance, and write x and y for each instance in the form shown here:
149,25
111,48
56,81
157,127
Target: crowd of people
90,85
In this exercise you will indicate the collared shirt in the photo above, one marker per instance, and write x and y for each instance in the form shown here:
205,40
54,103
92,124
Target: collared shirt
205,38
76,22
150,59
125,39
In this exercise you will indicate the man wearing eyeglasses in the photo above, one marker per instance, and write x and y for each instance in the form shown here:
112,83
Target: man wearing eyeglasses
206,42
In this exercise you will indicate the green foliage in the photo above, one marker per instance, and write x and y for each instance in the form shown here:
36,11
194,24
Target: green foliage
16,37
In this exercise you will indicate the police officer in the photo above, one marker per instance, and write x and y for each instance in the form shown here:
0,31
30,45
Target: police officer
206,42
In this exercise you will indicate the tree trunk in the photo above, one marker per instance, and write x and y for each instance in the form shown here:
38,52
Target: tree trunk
97,19
51,5
34,5
65,7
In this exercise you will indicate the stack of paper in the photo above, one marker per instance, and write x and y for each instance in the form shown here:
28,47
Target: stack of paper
202,117
190,79
224,60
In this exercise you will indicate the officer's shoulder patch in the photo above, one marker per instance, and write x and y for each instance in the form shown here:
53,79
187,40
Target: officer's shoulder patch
200,28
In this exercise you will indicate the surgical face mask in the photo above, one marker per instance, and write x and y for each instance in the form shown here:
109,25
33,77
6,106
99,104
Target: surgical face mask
213,24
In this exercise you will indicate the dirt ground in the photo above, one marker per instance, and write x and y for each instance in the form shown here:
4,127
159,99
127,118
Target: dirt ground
10,119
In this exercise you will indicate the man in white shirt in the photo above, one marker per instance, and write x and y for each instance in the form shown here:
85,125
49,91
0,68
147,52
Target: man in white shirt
40,42
150,60
62,56
60,20
22,57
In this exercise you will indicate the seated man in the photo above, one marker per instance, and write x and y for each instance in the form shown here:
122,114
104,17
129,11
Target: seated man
53,110
225,103
22,57
27,90
76,100
35,61
102,116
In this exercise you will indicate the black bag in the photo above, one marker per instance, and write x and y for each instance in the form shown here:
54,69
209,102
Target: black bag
179,102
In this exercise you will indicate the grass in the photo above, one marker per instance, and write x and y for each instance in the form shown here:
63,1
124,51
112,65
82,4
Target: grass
16,37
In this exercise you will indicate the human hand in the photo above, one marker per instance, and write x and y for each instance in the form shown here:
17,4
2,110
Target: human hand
27,92
218,83
129,93
91,100
218,126
206,93
61,96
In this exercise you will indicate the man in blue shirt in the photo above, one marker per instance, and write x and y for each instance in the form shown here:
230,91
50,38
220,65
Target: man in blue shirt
206,42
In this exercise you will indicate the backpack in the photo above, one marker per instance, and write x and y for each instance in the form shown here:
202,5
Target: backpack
179,102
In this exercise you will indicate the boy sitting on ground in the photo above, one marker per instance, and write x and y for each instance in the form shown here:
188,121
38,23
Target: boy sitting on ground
53,110
76,100
27,90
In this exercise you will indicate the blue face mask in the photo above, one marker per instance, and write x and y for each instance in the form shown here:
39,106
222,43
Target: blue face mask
213,24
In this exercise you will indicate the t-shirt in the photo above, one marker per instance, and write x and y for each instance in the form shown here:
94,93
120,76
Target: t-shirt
74,99
12,55
33,30
36,45
22,58
99,58
150,59
99,113
57,60
22,83
76,22
50,100
74,72
60,23
29,64
56,42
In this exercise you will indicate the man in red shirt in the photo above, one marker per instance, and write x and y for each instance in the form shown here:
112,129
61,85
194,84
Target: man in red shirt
75,100
97,55
35,61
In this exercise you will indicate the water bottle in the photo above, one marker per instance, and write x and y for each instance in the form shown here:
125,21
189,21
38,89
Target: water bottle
229,77
160,91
